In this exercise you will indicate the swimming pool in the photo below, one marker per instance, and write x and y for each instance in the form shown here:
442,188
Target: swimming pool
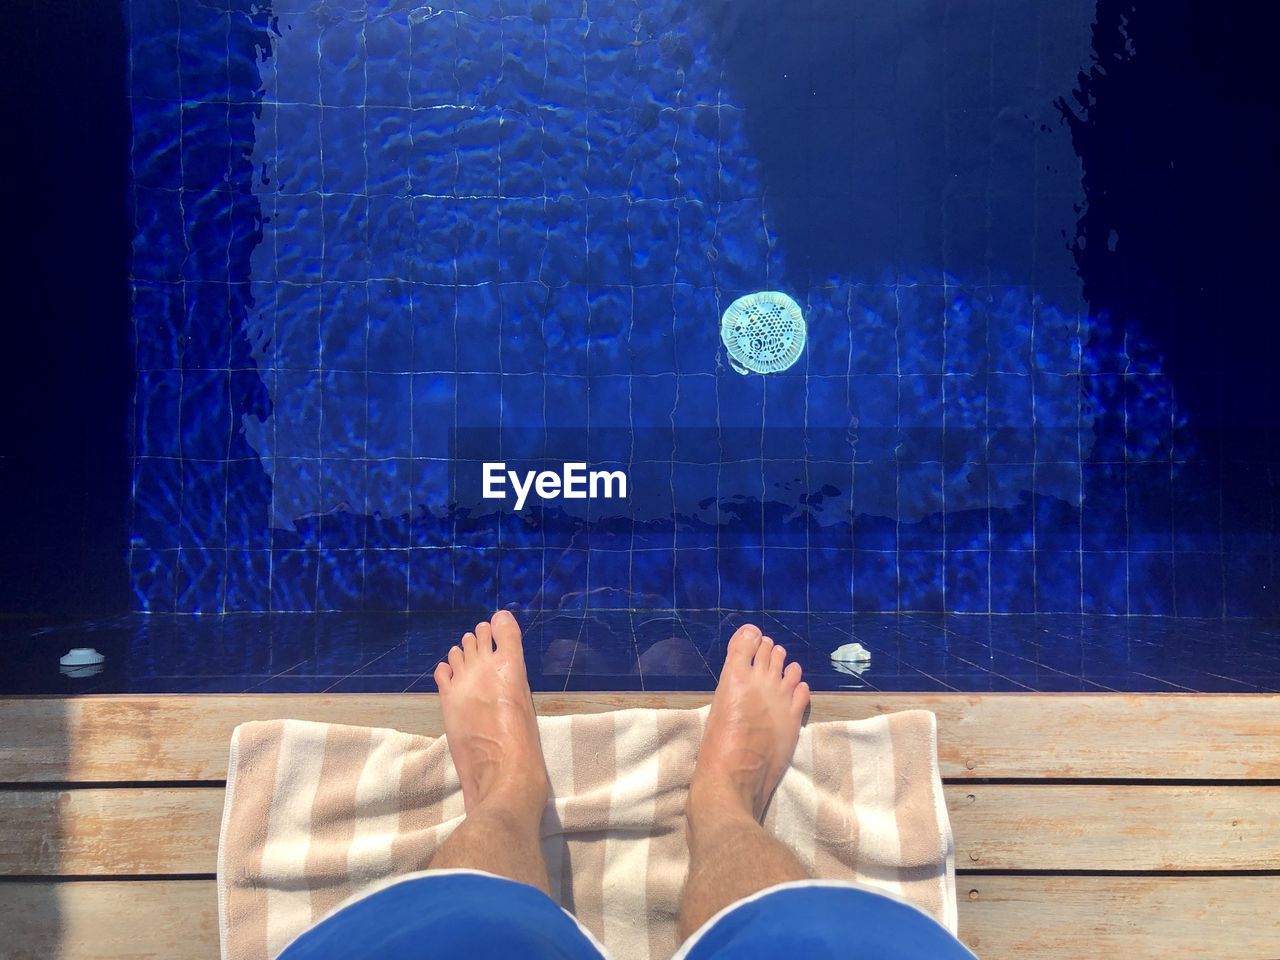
390,261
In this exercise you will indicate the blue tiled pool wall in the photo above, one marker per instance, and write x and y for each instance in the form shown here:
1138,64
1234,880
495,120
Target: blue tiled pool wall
368,234
651,650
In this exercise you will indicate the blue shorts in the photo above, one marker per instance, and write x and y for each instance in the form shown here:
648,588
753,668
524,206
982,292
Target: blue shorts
477,916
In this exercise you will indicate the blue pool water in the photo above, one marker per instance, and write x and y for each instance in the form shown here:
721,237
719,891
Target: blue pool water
377,245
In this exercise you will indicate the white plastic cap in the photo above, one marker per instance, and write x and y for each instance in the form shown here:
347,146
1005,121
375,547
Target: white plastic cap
851,653
81,657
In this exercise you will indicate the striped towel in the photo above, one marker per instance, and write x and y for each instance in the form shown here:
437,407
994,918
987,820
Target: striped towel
316,812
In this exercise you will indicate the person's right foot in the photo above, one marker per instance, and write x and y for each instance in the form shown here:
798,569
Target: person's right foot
752,730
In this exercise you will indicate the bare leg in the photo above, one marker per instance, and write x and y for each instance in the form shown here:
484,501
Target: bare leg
751,736
493,739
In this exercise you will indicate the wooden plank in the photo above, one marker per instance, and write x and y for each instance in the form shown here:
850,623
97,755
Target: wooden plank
1001,918
1106,827
114,832
1138,918
174,830
1031,736
105,920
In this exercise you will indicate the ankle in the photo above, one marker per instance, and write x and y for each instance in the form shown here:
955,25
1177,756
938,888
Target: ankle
510,808
517,791
714,804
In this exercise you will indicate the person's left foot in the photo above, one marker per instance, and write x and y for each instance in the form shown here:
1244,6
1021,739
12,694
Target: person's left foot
489,720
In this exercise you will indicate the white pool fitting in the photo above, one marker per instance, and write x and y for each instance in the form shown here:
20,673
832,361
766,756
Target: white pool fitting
764,332
81,657
851,653
81,662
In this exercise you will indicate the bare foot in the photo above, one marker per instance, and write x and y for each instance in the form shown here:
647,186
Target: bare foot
752,730
489,720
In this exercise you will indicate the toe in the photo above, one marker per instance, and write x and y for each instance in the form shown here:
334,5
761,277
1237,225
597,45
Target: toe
791,676
776,661
469,643
484,638
763,653
742,646
799,700
506,632
456,658
443,674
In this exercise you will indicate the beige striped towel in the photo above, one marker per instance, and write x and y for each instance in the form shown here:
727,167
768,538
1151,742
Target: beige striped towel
317,812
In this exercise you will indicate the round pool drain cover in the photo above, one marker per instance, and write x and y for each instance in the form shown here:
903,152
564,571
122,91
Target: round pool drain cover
763,332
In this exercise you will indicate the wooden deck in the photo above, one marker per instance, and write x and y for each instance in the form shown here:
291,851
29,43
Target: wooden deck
1086,825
